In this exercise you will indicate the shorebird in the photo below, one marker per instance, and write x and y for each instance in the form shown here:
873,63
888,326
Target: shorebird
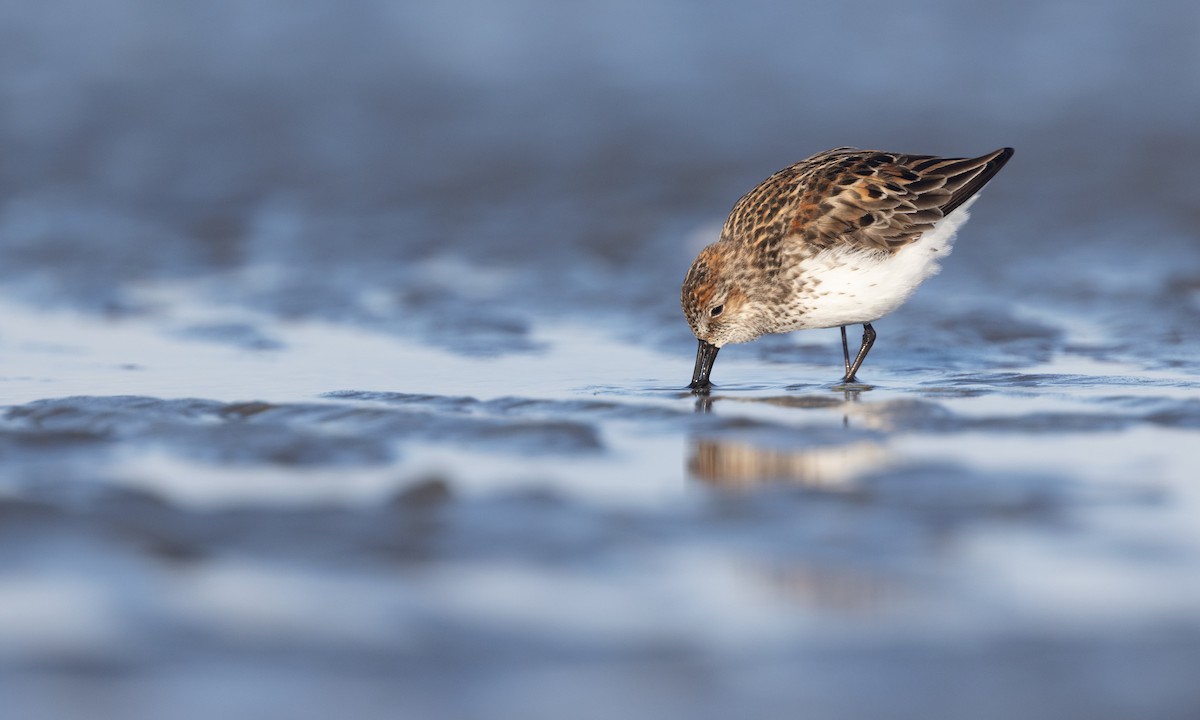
842,238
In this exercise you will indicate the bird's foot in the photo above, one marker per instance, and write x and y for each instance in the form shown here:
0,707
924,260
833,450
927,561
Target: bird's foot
852,384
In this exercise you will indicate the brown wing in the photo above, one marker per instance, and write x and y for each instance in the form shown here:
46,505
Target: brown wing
859,198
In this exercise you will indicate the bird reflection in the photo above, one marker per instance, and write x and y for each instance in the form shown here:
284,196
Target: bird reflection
738,464
848,395
834,465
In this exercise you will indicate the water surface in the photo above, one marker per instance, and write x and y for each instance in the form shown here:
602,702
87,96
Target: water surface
342,367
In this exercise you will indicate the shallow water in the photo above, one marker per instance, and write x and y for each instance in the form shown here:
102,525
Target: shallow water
342,368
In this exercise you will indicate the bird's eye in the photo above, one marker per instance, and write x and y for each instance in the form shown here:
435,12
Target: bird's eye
717,310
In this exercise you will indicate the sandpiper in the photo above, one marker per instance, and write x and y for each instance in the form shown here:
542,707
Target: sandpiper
842,238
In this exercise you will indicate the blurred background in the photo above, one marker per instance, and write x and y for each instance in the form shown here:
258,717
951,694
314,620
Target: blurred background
350,142
414,270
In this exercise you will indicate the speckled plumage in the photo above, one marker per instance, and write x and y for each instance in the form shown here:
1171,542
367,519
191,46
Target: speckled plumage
841,238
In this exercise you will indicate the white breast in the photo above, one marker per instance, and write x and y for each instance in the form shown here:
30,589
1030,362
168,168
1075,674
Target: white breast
860,287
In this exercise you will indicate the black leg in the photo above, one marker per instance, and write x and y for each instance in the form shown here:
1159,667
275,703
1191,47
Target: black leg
867,341
845,351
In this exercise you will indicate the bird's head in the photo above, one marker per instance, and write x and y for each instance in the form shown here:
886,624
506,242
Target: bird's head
717,308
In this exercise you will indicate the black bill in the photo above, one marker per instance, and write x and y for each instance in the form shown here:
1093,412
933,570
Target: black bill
706,355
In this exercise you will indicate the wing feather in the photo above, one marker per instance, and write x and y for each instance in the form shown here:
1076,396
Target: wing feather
862,199
902,197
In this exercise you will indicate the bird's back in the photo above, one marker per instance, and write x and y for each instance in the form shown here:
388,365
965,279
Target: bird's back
861,199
